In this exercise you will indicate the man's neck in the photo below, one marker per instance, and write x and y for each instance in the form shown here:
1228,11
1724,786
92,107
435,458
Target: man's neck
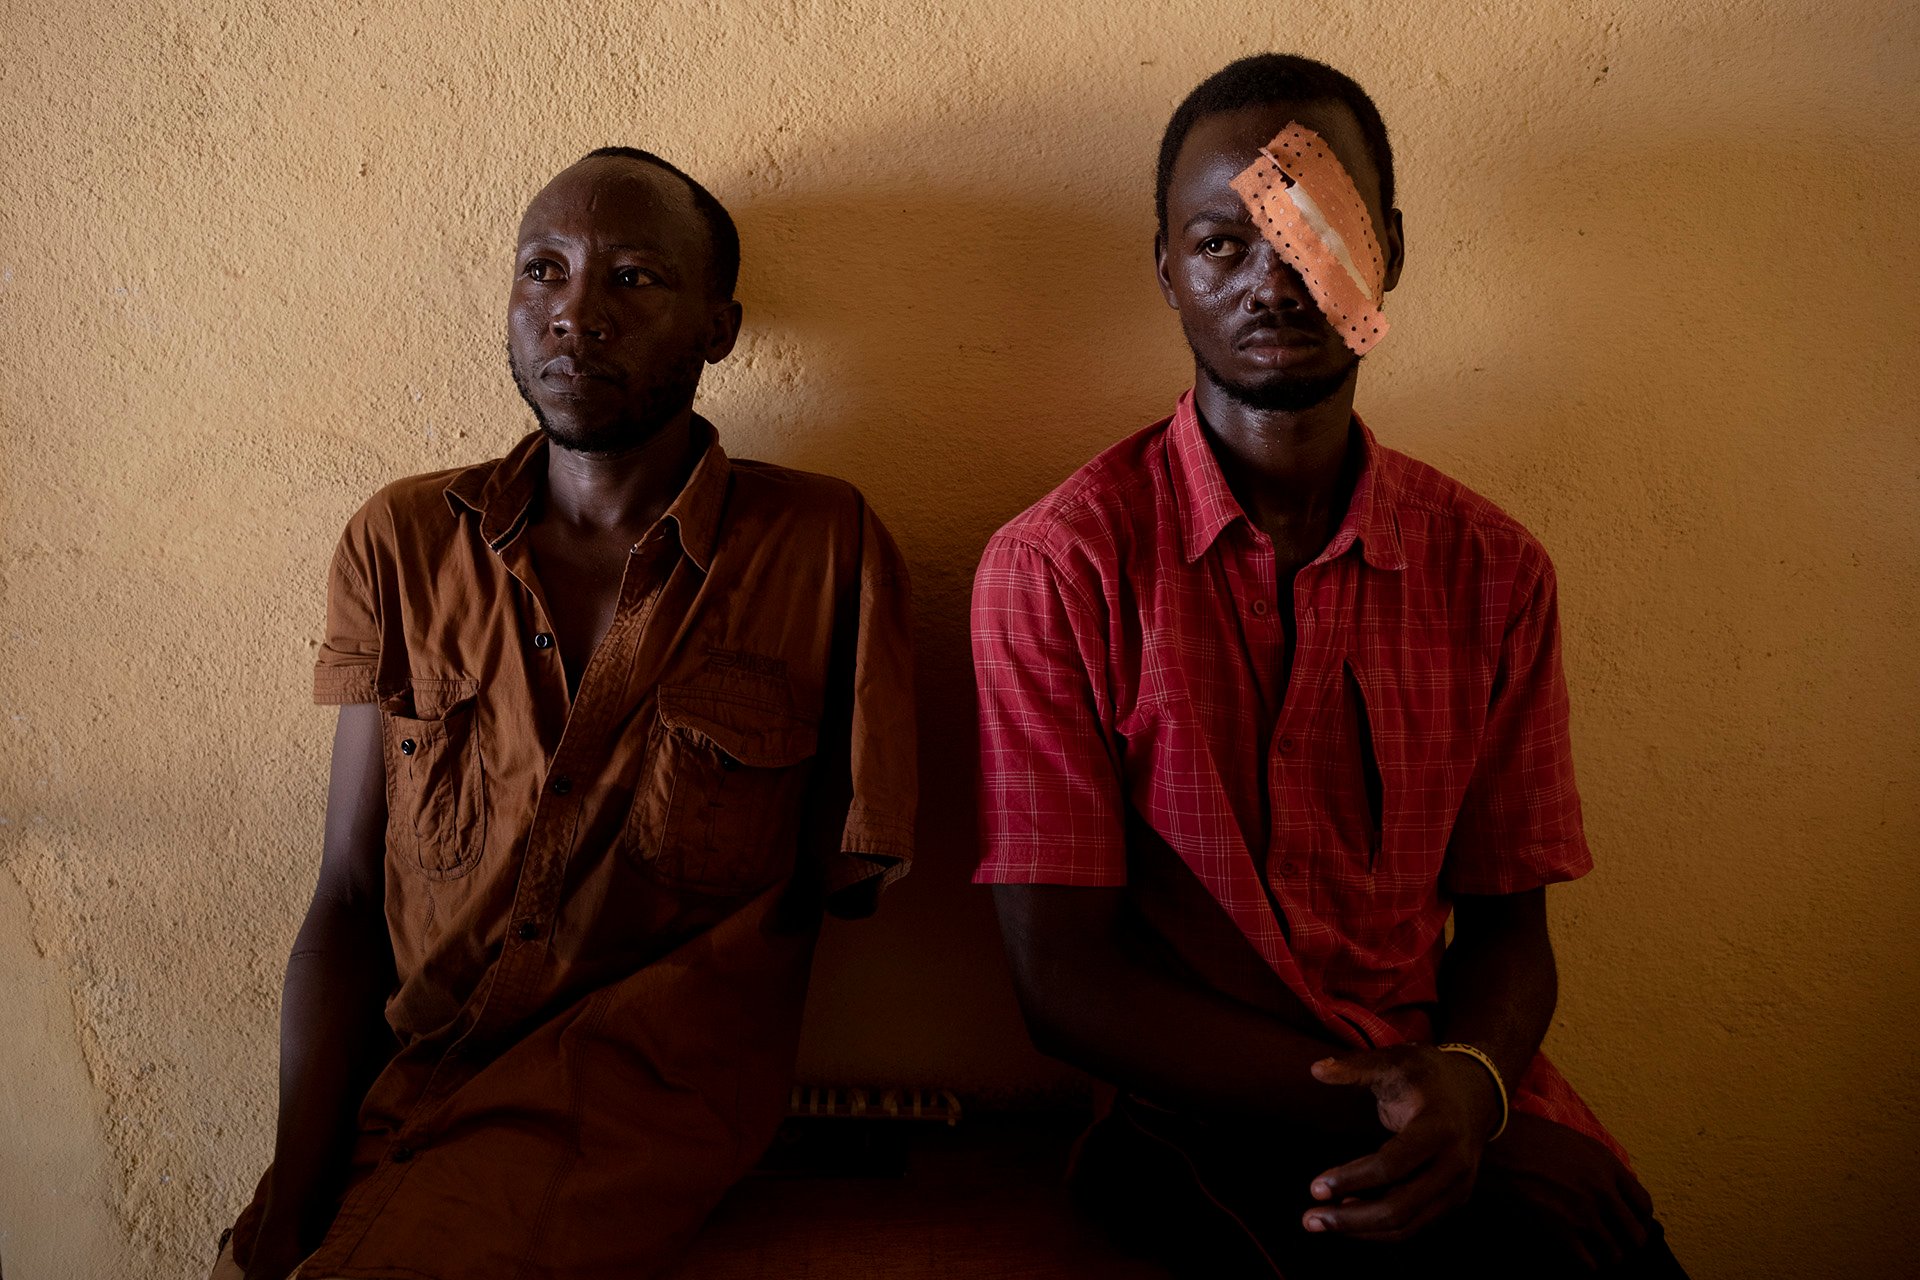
622,492
1289,469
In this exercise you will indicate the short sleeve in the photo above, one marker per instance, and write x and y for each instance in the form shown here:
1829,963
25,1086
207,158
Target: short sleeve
1052,805
873,713
349,659
1519,825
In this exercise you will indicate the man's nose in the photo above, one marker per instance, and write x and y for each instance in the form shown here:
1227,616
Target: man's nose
1277,286
579,311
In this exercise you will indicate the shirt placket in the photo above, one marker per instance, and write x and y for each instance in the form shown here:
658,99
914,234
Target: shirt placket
519,980
1297,813
1254,590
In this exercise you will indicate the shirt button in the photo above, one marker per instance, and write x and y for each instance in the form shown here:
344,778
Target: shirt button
401,1154
562,785
541,640
1286,746
1286,868
526,930
406,746
1259,608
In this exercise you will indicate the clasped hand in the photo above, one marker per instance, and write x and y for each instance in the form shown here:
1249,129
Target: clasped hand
1440,1109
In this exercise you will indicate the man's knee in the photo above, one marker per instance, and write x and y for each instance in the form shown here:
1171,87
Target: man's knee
1140,1192
1538,1232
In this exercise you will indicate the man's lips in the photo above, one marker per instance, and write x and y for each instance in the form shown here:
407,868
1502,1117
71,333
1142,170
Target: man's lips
1281,335
568,372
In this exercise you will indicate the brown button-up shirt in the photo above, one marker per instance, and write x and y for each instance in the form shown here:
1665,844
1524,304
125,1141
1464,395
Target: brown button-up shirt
603,906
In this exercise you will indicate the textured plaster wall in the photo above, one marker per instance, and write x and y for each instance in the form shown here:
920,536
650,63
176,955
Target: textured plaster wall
1659,302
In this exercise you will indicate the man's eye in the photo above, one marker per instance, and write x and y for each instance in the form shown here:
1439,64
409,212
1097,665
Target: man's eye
542,270
1219,246
632,277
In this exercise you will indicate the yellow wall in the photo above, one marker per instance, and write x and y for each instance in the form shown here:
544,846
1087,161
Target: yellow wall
253,260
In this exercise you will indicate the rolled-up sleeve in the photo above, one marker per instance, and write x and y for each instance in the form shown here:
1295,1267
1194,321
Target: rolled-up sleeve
346,669
1052,806
876,717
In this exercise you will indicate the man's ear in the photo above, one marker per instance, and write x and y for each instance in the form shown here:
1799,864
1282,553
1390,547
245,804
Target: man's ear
1395,249
723,330
1160,269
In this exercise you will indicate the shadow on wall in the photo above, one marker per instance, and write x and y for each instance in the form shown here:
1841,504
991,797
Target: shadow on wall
960,356
1610,323
1561,383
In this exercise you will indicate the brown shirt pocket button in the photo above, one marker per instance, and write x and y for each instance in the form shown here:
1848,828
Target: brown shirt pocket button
406,746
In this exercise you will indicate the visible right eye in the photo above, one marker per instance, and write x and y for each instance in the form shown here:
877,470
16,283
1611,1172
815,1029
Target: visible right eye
543,270
1219,246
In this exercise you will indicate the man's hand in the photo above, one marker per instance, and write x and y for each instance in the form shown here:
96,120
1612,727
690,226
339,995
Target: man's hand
1440,1108
276,1252
1581,1194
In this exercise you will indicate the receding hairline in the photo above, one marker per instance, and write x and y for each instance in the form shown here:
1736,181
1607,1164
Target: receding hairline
673,180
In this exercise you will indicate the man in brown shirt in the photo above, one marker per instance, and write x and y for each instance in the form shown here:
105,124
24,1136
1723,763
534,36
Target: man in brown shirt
619,717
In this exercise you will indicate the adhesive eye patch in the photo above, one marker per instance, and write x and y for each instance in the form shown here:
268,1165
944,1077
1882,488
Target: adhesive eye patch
1307,208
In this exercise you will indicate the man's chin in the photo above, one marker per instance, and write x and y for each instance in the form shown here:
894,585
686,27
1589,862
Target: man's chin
616,434
607,438
1286,392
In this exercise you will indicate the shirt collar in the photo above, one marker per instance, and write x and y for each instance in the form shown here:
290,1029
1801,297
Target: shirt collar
501,493
698,509
1207,506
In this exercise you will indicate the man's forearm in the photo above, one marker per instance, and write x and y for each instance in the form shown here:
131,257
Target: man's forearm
1498,983
1139,1027
333,1041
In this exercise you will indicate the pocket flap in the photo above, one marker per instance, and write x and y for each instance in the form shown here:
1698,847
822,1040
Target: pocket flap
429,699
752,732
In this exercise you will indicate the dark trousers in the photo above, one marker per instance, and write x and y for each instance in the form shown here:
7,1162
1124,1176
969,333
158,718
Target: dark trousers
1222,1202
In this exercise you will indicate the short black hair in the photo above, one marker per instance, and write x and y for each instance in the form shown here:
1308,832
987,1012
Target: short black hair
1264,78
723,236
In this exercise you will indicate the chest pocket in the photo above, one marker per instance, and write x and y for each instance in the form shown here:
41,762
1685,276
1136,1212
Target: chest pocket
718,806
436,783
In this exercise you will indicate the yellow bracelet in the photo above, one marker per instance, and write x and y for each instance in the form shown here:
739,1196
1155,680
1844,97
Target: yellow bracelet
1481,1058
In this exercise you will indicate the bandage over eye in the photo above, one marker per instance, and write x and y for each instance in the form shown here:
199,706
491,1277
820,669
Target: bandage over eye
1307,208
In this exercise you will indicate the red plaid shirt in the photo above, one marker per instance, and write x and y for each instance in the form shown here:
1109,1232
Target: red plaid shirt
1129,649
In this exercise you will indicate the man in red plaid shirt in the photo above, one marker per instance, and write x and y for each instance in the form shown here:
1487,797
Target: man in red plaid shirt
1263,703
